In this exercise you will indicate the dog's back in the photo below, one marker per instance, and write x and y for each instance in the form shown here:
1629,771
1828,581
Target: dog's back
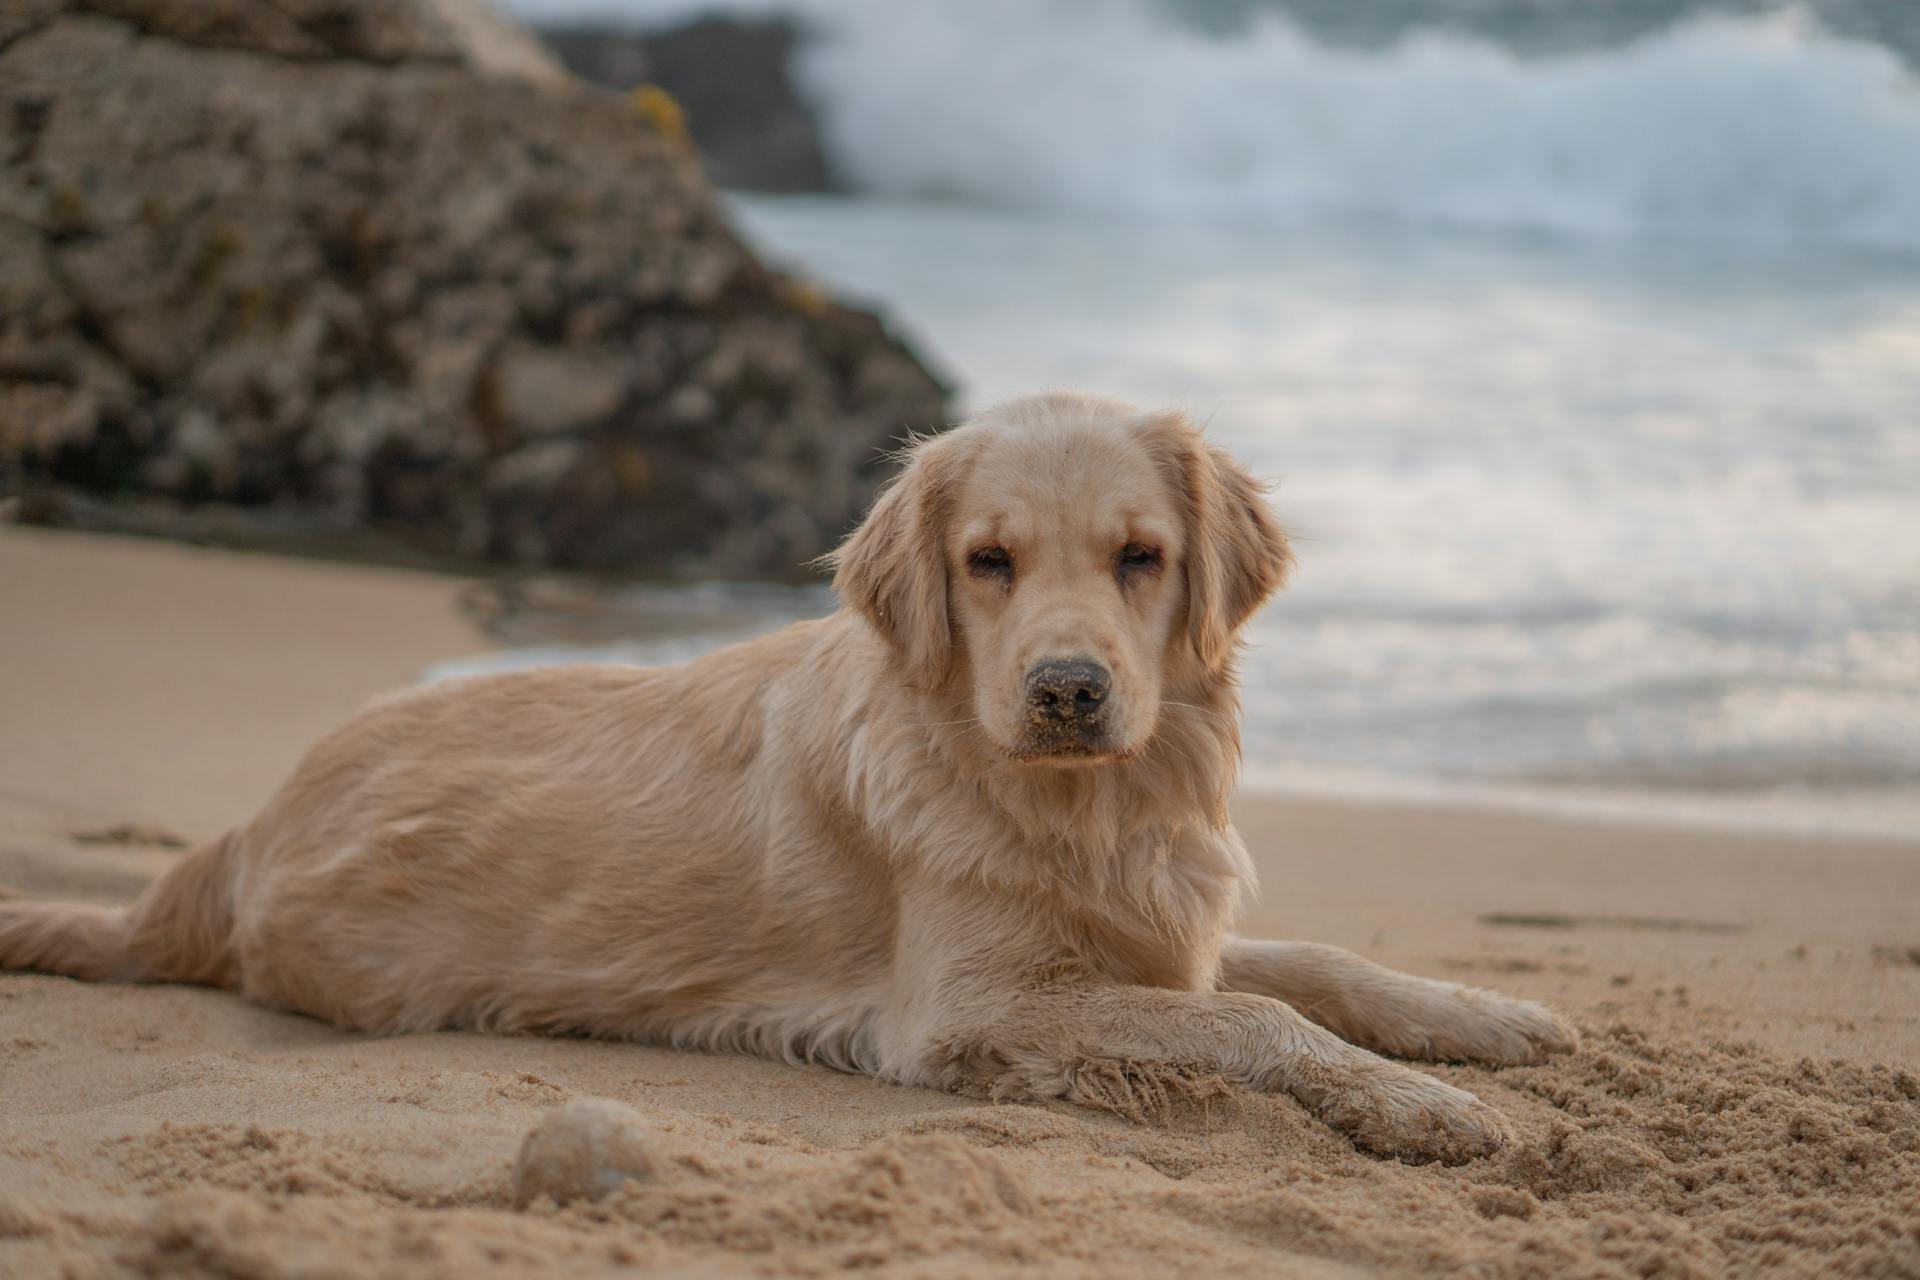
570,849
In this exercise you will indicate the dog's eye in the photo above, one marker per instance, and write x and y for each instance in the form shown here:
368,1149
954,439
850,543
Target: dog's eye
1137,555
990,560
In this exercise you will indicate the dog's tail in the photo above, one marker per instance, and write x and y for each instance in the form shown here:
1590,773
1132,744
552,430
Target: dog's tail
180,930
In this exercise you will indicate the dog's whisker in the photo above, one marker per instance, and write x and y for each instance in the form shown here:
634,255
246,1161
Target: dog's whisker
1205,711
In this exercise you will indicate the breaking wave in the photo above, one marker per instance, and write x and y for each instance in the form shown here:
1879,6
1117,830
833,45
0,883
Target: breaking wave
1766,127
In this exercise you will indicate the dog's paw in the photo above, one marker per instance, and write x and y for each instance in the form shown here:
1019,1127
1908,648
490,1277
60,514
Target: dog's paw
1483,1026
1446,1022
1393,1111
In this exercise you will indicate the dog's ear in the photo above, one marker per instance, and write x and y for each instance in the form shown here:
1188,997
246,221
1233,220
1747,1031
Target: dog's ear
893,568
1236,554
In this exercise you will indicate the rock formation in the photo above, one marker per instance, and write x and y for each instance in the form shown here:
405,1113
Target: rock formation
334,266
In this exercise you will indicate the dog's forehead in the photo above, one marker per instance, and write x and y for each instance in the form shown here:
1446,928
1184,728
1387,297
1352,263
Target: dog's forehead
1098,479
1045,467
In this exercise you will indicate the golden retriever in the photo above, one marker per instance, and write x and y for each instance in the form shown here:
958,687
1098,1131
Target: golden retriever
968,832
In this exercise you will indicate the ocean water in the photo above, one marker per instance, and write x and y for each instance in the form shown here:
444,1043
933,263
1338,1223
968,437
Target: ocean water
1586,359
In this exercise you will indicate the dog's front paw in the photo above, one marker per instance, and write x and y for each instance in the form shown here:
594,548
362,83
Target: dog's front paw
1446,1022
1483,1026
1393,1111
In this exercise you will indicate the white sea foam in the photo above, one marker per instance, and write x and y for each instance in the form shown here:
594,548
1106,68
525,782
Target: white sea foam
1760,127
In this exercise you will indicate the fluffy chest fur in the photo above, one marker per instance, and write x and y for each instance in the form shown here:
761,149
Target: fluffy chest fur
1132,871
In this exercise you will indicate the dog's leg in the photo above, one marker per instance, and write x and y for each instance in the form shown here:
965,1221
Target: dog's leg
1087,1042
1392,1012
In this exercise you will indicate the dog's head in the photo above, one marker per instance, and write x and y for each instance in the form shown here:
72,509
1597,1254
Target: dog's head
1069,559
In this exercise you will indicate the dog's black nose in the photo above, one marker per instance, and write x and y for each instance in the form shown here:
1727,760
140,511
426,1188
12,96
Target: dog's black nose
1067,691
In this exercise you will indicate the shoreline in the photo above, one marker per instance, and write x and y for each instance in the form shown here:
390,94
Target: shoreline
1886,816
420,633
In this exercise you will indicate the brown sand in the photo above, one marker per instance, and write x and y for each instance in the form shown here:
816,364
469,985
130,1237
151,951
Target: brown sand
1745,1102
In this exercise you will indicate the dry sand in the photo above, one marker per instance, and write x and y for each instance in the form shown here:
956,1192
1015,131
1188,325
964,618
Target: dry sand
1745,1102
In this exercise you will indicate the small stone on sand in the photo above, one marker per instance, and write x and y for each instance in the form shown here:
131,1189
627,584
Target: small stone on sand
585,1150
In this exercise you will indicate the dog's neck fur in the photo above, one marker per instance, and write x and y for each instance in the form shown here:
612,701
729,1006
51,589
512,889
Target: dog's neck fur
1147,839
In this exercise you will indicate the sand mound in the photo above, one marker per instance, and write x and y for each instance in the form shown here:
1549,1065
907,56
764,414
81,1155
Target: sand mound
1638,1157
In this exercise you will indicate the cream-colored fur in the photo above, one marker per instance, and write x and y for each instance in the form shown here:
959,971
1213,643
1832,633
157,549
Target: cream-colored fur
860,841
